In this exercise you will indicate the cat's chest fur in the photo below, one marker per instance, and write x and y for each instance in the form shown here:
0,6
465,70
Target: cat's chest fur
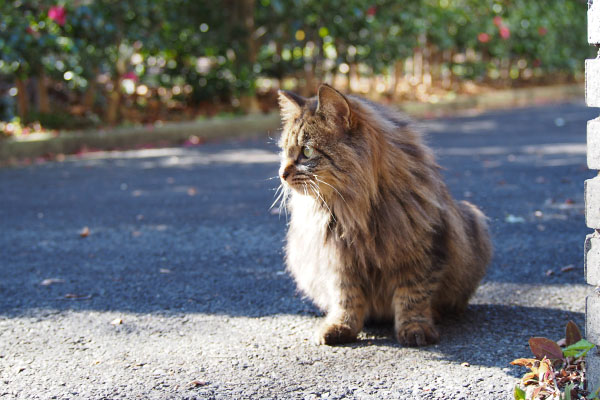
318,257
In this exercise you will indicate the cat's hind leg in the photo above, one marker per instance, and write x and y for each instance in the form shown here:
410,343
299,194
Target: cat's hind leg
413,315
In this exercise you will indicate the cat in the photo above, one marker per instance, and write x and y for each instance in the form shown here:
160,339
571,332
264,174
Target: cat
373,232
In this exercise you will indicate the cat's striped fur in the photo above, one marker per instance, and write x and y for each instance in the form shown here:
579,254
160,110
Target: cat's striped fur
374,233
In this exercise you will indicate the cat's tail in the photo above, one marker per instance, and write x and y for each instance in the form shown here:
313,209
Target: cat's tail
478,234
466,270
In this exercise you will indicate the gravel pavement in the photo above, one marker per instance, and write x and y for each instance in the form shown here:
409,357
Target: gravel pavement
179,290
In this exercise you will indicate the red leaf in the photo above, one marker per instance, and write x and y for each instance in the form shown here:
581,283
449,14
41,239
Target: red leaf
542,347
573,334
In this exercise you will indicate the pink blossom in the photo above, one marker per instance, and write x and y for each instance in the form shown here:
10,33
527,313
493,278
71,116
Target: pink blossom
497,20
58,14
504,32
130,75
483,37
542,31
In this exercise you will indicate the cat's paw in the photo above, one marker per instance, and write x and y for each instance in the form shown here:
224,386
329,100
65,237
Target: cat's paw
332,334
417,333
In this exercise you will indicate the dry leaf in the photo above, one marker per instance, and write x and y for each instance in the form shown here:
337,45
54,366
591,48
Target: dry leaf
85,232
524,362
197,383
573,334
76,296
51,281
569,267
542,347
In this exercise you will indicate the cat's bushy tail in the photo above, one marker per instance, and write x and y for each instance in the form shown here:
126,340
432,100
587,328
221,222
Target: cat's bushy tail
465,272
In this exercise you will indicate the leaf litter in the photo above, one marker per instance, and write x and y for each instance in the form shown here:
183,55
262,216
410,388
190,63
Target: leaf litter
558,370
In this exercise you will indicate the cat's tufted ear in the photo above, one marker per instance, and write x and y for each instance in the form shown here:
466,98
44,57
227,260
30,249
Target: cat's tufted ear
290,104
333,104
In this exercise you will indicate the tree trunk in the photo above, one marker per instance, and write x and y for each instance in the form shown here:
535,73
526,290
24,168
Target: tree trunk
398,73
114,100
42,93
245,15
89,97
22,99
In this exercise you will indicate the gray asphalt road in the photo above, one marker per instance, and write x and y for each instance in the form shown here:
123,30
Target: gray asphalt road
179,290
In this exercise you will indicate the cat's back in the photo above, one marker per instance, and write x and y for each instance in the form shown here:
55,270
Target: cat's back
394,117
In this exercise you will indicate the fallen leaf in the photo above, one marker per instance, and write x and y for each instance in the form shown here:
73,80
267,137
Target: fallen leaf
85,232
542,347
116,321
568,268
572,334
51,281
524,362
197,383
76,296
569,201
544,370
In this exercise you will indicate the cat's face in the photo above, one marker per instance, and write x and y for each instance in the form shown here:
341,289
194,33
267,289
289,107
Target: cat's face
312,141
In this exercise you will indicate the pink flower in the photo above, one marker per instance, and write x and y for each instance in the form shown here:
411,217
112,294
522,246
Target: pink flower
130,75
497,20
371,11
483,37
58,14
504,32
542,31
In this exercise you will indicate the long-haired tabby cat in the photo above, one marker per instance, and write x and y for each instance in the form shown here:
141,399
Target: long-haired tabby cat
374,233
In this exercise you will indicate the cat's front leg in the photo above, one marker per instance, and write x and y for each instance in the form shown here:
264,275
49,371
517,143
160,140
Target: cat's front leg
345,316
413,319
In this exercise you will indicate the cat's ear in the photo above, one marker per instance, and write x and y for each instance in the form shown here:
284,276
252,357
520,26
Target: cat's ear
290,104
333,104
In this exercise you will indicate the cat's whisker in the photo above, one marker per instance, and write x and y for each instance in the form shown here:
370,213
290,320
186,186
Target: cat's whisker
279,196
325,183
320,196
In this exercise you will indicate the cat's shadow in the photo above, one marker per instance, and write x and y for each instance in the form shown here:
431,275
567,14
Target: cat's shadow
490,335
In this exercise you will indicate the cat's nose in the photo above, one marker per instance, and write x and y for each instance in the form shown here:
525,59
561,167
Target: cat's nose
285,172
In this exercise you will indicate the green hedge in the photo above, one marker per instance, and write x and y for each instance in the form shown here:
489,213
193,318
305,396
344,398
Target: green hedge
197,52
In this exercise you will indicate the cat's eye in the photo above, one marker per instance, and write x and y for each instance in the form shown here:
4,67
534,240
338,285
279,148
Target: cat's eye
307,151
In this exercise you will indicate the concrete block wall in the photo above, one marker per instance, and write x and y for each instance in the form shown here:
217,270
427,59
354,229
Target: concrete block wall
592,200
